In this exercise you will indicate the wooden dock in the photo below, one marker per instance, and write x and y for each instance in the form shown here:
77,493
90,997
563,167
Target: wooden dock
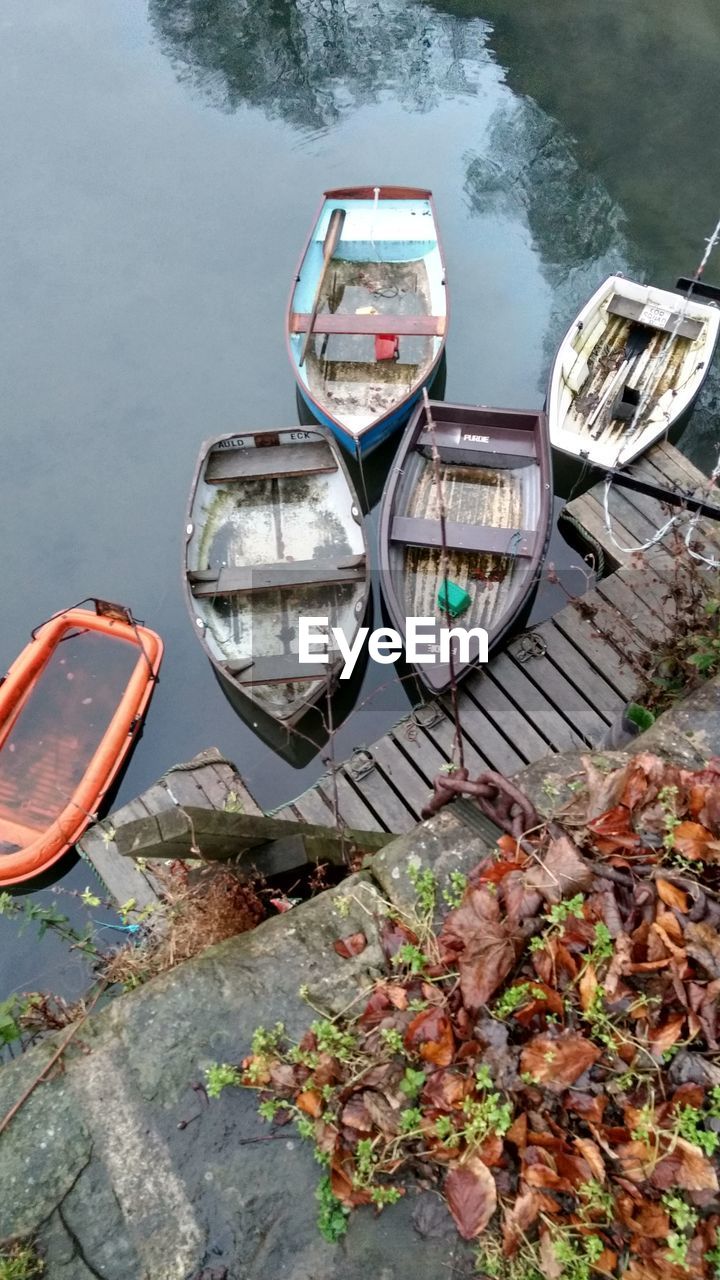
515,711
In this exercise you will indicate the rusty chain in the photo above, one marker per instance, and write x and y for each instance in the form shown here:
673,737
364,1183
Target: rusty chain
500,801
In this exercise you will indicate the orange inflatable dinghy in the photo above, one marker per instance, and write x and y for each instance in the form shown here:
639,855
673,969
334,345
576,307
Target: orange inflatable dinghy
71,707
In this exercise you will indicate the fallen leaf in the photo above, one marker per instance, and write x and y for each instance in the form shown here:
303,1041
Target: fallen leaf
430,1034
557,1063
472,1196
686,1167
587,986
484,947
310,1101
666,1035
518,1220
394,935
561,872
691,839
702,944
353,945
593,1155
671,895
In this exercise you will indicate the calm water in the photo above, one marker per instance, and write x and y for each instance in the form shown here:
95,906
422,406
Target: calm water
161,163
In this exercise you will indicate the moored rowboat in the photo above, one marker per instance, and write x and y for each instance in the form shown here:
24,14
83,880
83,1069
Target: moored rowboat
368,311
629,369
494,475
274,533
71,707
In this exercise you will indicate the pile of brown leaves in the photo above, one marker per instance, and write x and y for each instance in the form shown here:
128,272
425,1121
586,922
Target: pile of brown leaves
198,911
548,1058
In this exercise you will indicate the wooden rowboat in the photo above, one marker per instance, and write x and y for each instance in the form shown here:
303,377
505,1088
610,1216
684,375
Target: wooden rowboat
495,477
71,708
368,311
274,533
629,369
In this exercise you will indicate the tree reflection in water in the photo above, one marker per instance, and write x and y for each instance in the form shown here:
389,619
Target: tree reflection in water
311,62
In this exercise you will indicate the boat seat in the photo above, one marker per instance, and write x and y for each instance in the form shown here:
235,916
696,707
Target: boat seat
463,537
276,668
274,460
408,326
372,372
655,316
230,580
473,443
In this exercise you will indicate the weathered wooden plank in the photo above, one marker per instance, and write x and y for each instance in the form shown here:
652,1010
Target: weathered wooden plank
352,810
442,733
572,704
122,878
577,667
538,709
587,516
707,536
133,809
381,798
311,805
488,701
494,746
398,770
605,639
423,753
183,788
648,624
220,833
156,798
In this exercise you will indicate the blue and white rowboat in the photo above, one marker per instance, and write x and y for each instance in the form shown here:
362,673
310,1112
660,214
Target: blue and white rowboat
368,312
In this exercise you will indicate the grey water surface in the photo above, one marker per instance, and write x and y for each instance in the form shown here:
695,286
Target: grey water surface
161,162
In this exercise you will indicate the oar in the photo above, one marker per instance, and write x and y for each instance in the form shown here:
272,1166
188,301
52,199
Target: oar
332,236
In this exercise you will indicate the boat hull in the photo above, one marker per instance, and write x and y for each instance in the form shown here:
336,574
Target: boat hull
274,533
493,476
71,708
628,372
378,334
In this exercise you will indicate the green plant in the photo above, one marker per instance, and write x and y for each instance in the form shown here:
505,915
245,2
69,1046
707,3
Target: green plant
684,1220
454,891
332,1218
218,1076
19,1260
409,956
424,882
392,1039
515,997
412,1082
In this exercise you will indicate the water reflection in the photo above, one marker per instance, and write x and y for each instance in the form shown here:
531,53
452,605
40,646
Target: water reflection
315,61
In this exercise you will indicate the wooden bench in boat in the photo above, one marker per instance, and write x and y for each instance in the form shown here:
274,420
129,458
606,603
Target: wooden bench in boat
408,326
265,462
654,316
276,668
372,372
418,532
230,581
473,444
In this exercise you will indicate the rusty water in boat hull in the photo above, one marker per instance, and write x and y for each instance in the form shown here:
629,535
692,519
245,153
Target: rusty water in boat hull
71,707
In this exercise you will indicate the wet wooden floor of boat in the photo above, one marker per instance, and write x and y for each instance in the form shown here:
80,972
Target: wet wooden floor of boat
342,369
604,364
515,712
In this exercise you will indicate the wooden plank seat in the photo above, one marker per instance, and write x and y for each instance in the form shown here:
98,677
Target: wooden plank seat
463,537
274,460
372,372
230,580
655,316
408,326
276,668
517,444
